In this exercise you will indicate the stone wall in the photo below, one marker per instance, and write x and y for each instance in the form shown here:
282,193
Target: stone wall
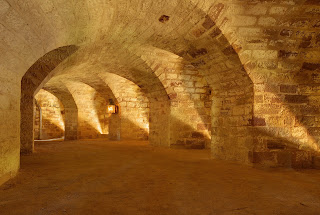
278,44
92,108
189,96
134,107
52,116
70,112
92,120
9,125
37,121
260,59
32,81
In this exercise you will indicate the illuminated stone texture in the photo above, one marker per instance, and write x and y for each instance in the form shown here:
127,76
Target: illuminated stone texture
133,107
49,122
255,63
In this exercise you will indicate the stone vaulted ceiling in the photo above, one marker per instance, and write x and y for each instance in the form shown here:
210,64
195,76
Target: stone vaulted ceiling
256,60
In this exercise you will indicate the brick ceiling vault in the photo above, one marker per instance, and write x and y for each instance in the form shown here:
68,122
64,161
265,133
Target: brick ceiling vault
196,30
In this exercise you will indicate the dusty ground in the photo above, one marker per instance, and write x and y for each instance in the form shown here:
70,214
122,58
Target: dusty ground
113,178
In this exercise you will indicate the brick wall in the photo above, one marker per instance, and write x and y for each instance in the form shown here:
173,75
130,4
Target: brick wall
260,58
91,108
133,107
52,116
277,42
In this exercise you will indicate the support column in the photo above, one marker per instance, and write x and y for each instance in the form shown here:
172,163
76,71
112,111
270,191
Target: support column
27,121
71,124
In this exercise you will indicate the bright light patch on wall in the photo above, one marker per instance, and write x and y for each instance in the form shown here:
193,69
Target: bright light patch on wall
164,56
297,135
85,98
137,116
48,100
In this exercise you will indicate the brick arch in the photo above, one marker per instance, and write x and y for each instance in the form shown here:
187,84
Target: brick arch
33,80
130,67
70,110
211,53
92,119
49,116
134,105
278,44
205,49
104,90
29,29
142,71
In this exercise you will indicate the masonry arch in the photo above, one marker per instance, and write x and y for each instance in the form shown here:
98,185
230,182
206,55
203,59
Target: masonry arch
114,120
134,106
31,83
278,51
135,71
158,81
49,119
70,110
210,57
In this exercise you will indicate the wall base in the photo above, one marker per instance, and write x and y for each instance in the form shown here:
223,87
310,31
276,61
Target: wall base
6,177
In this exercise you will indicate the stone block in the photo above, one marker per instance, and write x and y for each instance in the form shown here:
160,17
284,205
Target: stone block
316,162
258,121
265,158
244,21
302,159
265,54
208,23
285,54
274,144
288,88
278,10
296,99
215,11
267,21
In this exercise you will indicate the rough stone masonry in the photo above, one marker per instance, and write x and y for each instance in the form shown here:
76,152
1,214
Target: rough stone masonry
238,76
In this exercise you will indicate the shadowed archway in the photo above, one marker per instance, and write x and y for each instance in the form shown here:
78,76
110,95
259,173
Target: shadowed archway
31,83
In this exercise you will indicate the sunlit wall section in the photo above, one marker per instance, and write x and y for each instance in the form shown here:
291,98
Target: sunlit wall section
134,107
190,98
49,116
92,122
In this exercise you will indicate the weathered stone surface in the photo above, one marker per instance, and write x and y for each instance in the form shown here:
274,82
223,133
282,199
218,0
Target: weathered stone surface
316,162
271,144
288,88
256,121
302,159
311,66
50,113
238,59
296,99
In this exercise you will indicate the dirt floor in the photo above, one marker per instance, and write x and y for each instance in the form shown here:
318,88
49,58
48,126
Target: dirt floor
113,178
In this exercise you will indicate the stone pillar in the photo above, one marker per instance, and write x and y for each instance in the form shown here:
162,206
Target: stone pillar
26,126
71,124
159,123
114,127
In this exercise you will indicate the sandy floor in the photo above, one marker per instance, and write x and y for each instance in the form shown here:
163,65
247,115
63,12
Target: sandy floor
112,178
